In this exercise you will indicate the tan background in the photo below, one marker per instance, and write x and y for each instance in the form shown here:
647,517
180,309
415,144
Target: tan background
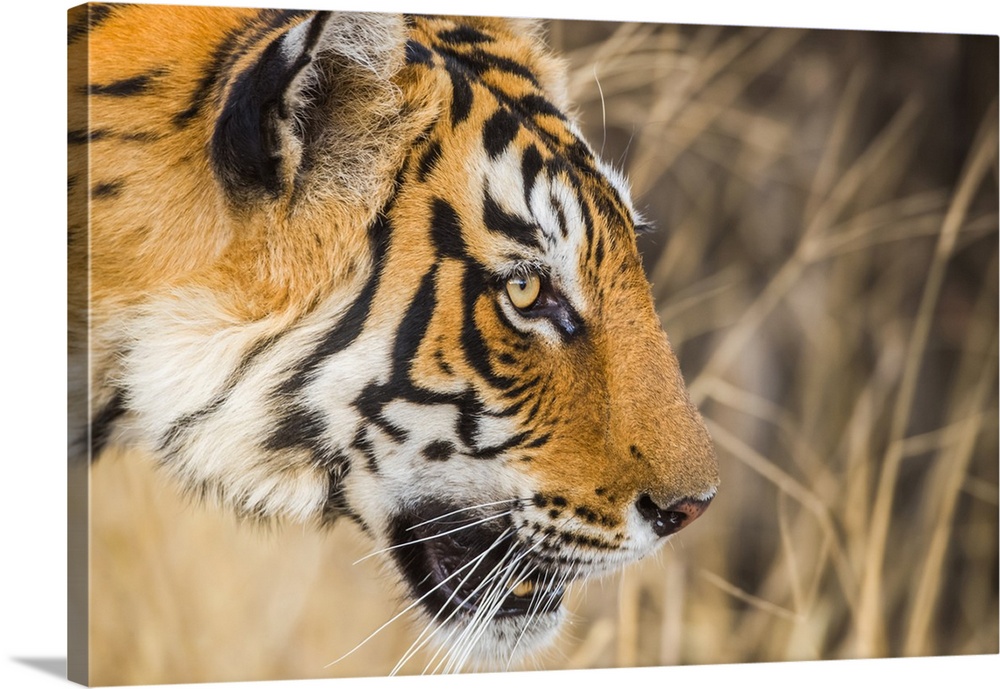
825,266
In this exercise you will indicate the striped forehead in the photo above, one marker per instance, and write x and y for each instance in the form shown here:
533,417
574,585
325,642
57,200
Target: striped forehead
540,208
535,216
517,106
546,199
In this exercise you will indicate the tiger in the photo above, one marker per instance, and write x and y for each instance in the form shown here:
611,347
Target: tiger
332,265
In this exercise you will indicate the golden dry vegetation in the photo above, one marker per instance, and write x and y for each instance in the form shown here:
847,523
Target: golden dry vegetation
825,264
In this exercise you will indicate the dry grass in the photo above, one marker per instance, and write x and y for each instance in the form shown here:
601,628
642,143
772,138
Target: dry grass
826,267
828,273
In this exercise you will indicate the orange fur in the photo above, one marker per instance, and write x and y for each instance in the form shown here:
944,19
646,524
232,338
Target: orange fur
218,299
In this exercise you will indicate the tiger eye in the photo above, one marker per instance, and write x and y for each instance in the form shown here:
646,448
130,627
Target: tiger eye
523,290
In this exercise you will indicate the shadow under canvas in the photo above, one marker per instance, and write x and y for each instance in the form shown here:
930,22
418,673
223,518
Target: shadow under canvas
49,665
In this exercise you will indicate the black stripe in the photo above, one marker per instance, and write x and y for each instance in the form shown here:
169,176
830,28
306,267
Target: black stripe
102,424
105,190
588,219
336,504
499,131
471,410
76,137
493,451
438,451
446,231
471,65
212,72
246,148
303,429
299,427
411,333
91,16
610,206
536,407
363,443
599,252
123,88
371,403
428,160
81,136
550,140
471,413
579,156
351,324
173,434
337,339
141,137
318,23
465,67
231,48
539,441
417,53
496,219
413,328
475,284
535,104
464,35
524,387
442,364
478,61
560,215
531,165
461,93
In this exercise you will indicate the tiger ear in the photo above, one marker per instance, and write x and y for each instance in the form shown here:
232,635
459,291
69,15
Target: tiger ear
306,104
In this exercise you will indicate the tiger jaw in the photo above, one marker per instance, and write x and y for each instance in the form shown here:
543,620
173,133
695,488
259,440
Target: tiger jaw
498,572
461,565
488,595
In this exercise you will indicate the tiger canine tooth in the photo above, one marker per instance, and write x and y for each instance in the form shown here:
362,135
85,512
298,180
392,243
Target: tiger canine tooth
523,588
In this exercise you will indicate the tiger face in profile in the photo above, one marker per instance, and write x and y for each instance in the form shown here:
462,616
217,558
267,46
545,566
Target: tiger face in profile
365,266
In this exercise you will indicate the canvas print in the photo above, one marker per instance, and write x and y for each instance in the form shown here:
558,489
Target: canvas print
409,344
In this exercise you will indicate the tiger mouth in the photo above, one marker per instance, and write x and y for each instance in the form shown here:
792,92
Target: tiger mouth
460,566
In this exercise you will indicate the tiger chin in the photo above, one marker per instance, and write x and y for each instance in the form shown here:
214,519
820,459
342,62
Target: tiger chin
365,266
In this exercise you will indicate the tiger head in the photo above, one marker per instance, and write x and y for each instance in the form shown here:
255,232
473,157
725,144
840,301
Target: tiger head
367,266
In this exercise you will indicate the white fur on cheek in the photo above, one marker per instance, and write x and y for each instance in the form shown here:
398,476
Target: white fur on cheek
180,351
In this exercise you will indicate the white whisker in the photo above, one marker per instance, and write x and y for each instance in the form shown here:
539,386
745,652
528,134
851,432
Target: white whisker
533,609
500,593
414,648
486,611
486,581
432,536
464,509
415,602
604,113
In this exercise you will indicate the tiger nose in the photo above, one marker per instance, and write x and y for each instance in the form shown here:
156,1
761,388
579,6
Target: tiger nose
671,519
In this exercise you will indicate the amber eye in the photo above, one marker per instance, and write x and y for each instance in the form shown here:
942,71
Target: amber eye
523,290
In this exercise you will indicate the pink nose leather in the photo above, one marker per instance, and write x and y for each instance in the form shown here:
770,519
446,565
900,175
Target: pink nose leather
670,520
